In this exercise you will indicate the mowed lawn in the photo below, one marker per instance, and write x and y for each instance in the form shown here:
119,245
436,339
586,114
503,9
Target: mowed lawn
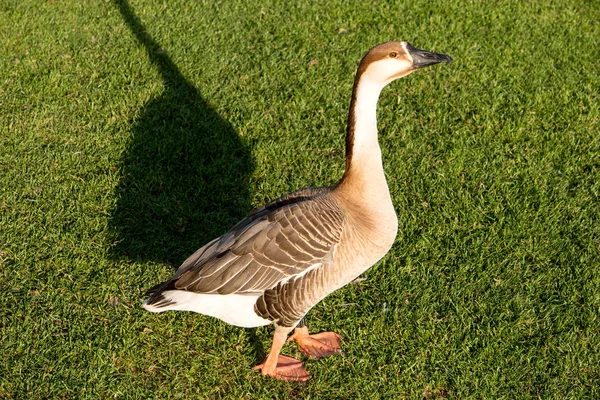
133,133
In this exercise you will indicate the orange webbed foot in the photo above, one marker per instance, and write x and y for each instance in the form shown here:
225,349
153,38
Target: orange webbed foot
318,345
286,369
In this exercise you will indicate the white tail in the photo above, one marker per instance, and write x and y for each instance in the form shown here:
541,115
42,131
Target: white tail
235,309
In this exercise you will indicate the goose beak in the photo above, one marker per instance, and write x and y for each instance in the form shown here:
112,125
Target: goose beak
423,58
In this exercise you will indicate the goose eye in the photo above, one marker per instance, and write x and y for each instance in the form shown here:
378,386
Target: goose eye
393,54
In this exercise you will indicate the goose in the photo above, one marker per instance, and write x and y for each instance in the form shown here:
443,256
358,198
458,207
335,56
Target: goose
285,257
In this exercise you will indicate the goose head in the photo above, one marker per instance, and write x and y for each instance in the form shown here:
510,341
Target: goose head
381,65
389,61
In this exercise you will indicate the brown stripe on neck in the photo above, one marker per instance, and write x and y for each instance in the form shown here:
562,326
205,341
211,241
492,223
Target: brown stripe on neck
351,124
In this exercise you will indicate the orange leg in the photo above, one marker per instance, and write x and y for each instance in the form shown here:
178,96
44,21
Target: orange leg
282,367
318,345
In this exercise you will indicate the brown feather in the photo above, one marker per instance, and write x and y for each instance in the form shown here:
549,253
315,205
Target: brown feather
277,242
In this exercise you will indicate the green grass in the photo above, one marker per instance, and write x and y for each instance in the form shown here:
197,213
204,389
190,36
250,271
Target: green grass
132,134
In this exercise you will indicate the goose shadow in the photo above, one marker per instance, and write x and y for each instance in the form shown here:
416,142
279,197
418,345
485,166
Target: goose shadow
184,173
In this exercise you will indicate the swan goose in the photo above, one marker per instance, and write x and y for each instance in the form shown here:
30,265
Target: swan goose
281,260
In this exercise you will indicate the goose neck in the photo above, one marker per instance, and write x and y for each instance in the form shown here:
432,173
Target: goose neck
362,147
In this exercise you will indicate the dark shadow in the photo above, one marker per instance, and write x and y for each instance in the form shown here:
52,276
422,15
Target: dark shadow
184,173
258,351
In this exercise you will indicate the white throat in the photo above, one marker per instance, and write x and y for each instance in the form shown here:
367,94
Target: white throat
364,182
365,119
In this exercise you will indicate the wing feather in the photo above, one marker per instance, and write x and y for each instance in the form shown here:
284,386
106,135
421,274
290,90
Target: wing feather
284,239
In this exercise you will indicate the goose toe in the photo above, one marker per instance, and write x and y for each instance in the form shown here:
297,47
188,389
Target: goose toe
287,369
318,345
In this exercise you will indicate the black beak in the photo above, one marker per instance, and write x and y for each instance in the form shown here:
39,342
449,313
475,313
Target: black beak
422,58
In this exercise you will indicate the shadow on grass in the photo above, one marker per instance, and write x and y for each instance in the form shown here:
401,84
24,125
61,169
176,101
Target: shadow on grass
184,176
258,351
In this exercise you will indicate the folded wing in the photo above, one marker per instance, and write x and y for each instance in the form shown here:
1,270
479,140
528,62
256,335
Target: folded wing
286,238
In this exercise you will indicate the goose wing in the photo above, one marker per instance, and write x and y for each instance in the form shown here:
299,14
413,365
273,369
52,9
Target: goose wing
283,239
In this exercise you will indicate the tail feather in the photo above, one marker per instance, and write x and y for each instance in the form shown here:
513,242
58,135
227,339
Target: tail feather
235,309
157,300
